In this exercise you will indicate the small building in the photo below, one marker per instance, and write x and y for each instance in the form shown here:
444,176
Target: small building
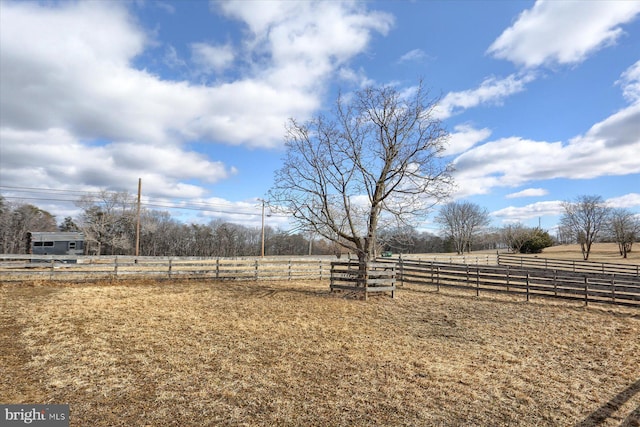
55,243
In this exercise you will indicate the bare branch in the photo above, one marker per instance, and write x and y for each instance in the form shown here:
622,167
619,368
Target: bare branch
377,158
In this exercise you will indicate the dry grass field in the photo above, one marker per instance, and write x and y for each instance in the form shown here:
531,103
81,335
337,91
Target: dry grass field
600,252
293,354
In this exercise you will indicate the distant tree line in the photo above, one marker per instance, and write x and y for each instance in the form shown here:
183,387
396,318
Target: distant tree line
109,224
109,221
16,220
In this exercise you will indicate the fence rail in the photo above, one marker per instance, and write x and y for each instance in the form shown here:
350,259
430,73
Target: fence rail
97,268
568,265
622,289
612,284
380,277
484,259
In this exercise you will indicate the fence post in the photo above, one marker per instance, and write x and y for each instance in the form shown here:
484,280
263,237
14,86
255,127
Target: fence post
477,281
217,268
331,273
115,267
395,278
432,272
613,288
438,278
527,286
508,278
289,269
586,290
256,272
401,272
555,283
170,267
53,262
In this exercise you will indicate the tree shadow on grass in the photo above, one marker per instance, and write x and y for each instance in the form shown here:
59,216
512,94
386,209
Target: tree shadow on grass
605,411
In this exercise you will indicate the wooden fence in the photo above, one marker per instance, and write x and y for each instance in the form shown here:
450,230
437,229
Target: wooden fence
484,259
618,284
622,289
113,268
568,265
346,276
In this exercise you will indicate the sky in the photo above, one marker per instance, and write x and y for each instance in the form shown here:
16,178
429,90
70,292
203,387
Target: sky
541,98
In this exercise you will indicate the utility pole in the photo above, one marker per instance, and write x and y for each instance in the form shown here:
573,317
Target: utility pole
262,247
138,218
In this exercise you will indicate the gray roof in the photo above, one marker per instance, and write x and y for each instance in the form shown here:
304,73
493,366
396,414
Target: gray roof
55,236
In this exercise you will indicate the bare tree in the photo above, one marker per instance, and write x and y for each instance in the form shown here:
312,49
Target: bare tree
16,220
515,236
586,217
377,160
461,221
399,239
564,235
624,228
108,220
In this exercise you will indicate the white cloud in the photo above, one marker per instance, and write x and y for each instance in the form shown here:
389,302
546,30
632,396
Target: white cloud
609,148
626,201
529,192
554,208
563,32
306,41
616,136
551,32
54,158
491,91
630,83
538,209
172,59
203,210
75,110
356,77
212,58
84,81
413,55
167,7
465,137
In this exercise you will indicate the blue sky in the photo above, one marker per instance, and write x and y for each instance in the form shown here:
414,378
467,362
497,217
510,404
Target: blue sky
542,99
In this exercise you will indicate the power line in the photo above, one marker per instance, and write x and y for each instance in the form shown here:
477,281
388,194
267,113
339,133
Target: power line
189,205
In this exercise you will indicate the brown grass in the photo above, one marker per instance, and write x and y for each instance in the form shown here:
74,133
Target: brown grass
600,252
289,354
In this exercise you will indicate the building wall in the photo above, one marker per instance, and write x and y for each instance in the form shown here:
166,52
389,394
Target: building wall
56,244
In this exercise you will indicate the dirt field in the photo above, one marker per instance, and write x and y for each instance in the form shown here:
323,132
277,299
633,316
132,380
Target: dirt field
293,354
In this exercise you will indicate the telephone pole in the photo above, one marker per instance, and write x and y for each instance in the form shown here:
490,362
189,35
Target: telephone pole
138,218
262,246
